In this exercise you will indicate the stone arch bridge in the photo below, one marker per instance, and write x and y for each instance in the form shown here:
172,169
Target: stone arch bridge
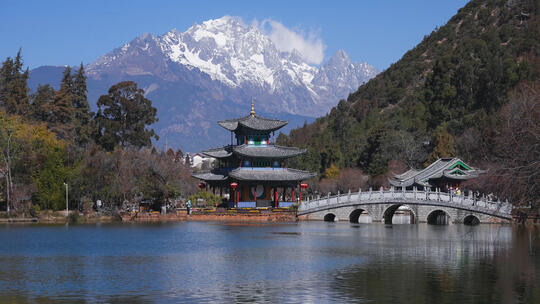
426,206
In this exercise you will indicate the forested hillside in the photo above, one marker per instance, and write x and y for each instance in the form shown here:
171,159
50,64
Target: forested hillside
469,89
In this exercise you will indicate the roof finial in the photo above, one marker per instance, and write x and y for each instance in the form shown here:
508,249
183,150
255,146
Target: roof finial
252,107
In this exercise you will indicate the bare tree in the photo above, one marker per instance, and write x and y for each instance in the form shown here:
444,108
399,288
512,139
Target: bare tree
351,179
7,130
514,165
518,144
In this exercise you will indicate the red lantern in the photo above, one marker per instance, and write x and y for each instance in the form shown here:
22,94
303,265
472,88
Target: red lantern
302,186
235,199
202,185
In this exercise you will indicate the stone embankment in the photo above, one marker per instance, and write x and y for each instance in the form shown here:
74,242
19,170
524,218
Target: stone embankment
216,215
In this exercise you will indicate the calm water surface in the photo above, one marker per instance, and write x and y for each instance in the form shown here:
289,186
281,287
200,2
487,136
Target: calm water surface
307,262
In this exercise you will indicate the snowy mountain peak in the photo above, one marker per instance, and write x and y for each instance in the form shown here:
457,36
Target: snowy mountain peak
239,56
339,58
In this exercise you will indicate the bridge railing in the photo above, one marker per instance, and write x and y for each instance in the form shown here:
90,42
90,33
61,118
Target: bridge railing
451,199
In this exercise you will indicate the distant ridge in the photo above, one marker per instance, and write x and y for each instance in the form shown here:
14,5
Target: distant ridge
212,70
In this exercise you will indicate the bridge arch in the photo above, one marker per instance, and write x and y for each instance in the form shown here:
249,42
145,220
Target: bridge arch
330,217
388,214
471,220
354,216
438,217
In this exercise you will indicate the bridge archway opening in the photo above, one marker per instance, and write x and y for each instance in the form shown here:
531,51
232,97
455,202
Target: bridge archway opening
471,220
330,217
438,217
399,214
359,216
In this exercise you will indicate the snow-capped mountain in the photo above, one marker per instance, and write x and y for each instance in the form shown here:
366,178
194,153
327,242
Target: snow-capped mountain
241,57
212,71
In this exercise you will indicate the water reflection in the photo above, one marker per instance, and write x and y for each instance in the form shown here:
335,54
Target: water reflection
304,262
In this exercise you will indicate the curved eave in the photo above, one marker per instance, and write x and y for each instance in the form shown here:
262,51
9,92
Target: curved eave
217,156
229,125
254,123
268,152
399,183
266,127
210,176
271,175
407,183
411,173
459,177
223,152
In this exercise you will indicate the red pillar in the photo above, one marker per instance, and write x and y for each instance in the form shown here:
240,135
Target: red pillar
275,198
255,191
292,190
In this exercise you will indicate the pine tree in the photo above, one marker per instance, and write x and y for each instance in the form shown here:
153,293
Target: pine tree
62,112
13,86
83,116
41,103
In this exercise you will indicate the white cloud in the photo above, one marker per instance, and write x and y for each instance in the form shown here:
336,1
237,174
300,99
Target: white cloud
286,40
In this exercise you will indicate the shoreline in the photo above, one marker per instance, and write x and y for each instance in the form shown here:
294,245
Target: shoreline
213,215
205,215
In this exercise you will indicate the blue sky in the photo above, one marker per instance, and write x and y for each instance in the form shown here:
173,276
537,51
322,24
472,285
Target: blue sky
69,32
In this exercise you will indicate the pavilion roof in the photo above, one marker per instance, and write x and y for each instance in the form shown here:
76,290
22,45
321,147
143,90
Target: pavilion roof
270,151
270,174
253,122
453,168
212,175
222,152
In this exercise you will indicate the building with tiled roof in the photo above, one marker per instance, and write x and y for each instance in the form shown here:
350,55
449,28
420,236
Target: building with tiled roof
251,169
444,173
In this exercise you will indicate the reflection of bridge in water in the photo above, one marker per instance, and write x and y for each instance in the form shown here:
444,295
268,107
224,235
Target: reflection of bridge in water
433,207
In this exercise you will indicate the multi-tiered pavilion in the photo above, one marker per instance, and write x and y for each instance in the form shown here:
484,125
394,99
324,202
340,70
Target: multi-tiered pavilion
253,170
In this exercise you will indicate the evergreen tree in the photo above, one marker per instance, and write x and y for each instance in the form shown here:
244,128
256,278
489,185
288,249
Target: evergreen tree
62,112
41,103
83,116
444,148
13,86
123,116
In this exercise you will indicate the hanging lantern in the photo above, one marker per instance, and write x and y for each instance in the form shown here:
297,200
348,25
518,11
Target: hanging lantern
303,186
234,185
202,185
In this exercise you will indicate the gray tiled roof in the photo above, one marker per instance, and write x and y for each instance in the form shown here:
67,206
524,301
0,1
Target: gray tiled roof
214,175
407,174
271,151
222,152
270,174
253,122
441,167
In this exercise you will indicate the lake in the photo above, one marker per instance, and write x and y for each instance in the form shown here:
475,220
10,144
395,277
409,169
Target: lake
305,262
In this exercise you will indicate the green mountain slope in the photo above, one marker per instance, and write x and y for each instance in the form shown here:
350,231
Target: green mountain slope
441,98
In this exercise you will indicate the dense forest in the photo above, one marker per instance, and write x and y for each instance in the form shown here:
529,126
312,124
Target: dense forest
51,140
470,89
